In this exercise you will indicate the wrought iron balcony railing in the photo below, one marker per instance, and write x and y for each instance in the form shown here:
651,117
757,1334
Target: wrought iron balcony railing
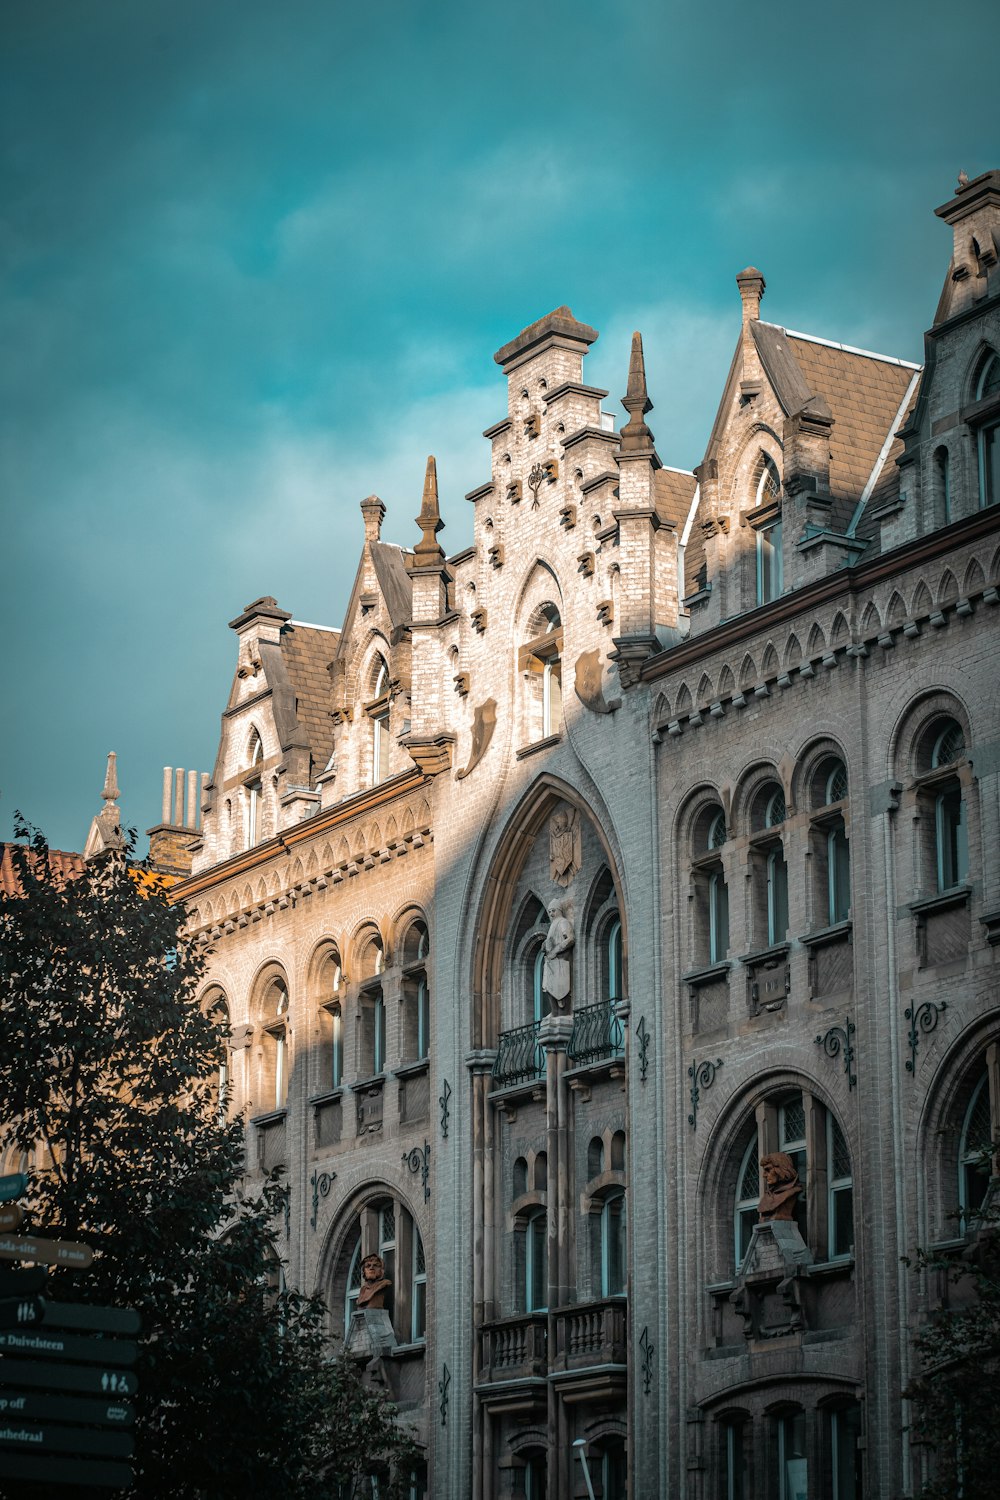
520,1057
598,1034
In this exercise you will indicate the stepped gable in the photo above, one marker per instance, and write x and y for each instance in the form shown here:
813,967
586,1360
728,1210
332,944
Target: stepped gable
864,393
394,581
307,651
560,321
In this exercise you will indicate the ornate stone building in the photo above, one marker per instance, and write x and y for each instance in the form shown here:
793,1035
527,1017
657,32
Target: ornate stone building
654,832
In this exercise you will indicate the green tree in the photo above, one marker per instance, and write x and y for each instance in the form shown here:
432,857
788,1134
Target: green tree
109,1073
958,1350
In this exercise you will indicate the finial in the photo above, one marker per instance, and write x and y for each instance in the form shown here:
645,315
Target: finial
111,792
635,434
428,550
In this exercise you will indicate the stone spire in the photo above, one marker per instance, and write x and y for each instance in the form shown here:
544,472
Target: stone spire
428,551
105,834
635,435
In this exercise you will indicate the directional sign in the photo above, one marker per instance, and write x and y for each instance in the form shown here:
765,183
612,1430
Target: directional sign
87,1380
54,1344
96,1319
11,1216
35,1406
81,1471
47,1437
17,1312
49,1252
15,1282
12,1186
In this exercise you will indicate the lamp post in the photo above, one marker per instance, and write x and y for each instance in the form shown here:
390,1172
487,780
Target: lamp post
580,1444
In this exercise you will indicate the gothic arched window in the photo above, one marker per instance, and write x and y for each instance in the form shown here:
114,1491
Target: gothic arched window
988,390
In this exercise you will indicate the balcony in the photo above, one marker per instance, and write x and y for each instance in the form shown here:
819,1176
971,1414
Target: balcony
520,1056
514,1349
598,1035
590,1335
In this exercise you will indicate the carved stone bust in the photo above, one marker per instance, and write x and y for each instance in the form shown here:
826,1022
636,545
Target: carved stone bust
373,1283
781,1187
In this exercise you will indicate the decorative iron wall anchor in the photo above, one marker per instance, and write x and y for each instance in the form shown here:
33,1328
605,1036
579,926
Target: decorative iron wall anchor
322,1182
535,479
642,1035
923,1019
416,1160
836,1040
443,1385
702,1074
443,1099
648,1350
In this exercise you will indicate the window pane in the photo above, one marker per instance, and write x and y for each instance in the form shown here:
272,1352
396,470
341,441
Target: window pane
734,1462
793,1472
777,897
419,1310
845,1456
952,853
718,918
839,874
842,1239
989,466
536,1264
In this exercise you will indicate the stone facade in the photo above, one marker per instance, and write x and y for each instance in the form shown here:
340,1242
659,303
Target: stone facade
656,831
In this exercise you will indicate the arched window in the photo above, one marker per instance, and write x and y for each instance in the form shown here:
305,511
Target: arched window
798,1125
535,1477
540,661
790,1454
975,1151
416,993
372,1001
613,1256
951,847
254,791
614,1469
535,1270
769,559
274,1045
613,944
330,986
771,874
988,390
942,484
385,1227
830,842
710,888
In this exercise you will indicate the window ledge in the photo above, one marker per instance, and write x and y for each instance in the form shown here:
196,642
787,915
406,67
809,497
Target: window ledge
991,921
830,1267
412,1069
546,744
377,1080
332,1096
835,934
272,1117
698,977
415,1350
958,895
770,955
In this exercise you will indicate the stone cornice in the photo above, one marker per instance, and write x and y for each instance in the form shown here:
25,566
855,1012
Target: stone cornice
300,833
844,581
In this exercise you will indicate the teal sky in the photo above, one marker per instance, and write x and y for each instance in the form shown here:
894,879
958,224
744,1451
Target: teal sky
257,259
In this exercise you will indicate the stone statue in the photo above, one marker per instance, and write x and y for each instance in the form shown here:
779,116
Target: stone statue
373,1283
557,974
781,1187
565,849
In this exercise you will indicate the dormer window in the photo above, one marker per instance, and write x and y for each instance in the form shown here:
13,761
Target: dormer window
769,566
988,390
254,791
378,712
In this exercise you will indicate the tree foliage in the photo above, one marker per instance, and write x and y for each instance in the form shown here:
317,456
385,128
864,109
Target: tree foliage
109,1076
955,1394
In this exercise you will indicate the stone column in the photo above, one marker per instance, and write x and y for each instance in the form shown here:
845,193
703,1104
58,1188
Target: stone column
480,1065
554,1034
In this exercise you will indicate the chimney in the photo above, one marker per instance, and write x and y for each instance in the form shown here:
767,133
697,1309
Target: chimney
171,840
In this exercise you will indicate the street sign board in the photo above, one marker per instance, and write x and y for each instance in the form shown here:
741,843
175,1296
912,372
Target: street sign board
35,1406
48,1437
11,1216
12,1186
44,1343
18,1312
77,1471
49,1252
87,1380
18,1282
97,1319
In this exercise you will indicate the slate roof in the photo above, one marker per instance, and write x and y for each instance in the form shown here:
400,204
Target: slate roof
674,492
307,651
864,392
394,581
